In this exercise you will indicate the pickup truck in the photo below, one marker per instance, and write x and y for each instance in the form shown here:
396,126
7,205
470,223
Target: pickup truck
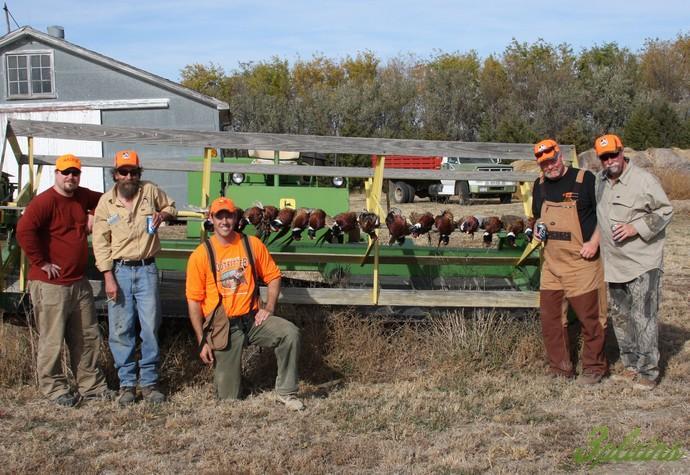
468,189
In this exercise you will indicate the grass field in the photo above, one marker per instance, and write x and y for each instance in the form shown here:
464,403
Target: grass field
452,393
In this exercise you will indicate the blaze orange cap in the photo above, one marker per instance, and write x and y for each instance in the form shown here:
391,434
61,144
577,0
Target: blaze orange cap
222,203
546,150
126,158
609,143
64,162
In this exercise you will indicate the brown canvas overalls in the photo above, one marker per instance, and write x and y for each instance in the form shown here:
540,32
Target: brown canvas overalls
568,278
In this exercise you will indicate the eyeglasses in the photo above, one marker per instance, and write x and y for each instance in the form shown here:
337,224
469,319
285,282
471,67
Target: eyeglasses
129,171
71,171
542,152
609,156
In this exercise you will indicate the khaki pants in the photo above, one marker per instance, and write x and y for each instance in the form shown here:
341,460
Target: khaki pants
274,332
67,312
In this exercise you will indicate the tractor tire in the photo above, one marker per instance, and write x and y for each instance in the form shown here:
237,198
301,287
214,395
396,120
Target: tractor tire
462,189
506,199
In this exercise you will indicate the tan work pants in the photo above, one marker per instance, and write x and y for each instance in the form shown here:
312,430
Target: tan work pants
67,313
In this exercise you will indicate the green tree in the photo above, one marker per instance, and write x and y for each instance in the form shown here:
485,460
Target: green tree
665,68
544,90
608,77
450,97
653,124
210,80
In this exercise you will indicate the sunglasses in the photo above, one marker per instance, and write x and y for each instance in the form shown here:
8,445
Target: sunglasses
129,171
542,152
71,171
224,214
609,156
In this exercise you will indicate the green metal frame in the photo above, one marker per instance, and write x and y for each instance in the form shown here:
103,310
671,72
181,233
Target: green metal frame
368,260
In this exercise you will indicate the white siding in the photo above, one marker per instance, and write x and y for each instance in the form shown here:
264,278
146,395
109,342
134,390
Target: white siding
92,177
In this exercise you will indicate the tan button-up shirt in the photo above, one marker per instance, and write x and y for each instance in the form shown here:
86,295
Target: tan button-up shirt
635,198
119,233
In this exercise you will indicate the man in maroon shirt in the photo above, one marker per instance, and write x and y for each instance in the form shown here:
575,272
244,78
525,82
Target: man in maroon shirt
52,232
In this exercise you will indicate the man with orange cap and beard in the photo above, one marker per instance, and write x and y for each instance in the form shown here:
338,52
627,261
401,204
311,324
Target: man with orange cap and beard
125,243
633,212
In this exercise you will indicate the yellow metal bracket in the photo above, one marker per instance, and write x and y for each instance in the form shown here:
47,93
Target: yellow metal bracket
209,153
372,190
528,251
526,197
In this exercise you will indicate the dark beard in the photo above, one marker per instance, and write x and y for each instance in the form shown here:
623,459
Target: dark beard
127,189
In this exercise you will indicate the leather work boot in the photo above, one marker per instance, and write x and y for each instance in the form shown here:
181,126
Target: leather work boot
68,400
152,394
291,402
128,396
644,384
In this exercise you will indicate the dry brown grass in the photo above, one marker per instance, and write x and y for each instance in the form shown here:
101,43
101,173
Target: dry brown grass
675,182
452,393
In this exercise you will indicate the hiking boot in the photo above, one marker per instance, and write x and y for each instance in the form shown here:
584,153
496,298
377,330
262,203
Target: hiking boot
68,400
627,376
644,384
105,395
291,402
152,394
588,379
128,396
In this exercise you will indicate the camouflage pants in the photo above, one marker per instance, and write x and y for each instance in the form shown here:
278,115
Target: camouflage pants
633,308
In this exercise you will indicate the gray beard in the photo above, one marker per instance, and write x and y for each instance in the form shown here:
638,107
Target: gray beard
127,189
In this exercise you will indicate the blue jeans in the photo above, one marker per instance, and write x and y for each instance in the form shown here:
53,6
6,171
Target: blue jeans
137,297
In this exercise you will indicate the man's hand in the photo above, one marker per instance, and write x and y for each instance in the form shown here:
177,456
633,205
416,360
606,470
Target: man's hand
158,218
206,354
589,250
89,223
624,231
261,315
110,286
53,270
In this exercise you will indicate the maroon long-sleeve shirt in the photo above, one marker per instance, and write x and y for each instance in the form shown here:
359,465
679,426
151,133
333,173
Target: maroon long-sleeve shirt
53,229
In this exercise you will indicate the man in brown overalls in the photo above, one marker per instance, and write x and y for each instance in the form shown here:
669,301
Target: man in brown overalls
564,201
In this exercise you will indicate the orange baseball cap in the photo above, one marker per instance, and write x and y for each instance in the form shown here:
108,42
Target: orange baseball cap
126,158
546,150
64,162
222,203
609,143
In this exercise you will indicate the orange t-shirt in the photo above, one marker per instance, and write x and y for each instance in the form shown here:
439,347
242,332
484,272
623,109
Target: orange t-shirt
235,277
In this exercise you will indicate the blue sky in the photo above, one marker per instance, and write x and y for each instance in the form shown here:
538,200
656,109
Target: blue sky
164,36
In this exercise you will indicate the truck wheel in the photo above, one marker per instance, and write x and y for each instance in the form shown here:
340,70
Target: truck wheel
506,199
410,193
462,189
399,191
